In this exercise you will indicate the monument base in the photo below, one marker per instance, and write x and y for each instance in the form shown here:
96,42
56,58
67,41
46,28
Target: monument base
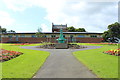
61,46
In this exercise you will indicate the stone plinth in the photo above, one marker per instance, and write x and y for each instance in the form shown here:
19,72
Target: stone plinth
61,46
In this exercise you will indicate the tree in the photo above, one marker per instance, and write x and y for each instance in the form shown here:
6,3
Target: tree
105,36
114,30
71,29
113,33
39,33
80,30
11,31
2,30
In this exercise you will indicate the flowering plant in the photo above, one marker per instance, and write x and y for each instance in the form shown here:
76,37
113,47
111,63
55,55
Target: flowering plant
104,43
113,52
22,44
6,55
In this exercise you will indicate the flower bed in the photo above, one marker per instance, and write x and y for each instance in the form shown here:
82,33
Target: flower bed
6,55
105,43
22,44
115,52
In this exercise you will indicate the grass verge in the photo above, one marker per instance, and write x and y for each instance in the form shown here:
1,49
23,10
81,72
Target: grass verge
24,66
103,65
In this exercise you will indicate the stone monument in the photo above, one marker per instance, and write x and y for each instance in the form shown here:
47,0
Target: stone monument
61,42
61,39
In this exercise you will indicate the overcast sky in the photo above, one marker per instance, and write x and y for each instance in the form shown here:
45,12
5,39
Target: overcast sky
28,15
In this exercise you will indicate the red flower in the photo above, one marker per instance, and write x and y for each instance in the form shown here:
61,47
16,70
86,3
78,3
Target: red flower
113,52
7,55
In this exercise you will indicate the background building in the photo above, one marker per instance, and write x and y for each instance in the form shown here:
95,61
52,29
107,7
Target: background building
81,37
56,28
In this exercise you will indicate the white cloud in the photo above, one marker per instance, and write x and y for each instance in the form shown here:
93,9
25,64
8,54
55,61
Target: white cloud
90,15
45,28
17,5
5,19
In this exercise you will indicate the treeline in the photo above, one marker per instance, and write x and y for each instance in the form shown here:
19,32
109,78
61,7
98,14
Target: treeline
113,33
4,30
73,29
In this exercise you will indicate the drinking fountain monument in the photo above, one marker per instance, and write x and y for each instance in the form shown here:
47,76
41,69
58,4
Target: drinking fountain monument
61,42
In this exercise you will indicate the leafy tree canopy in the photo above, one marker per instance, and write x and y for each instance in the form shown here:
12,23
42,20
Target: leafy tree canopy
4,30
39,33
80,30
11,31
72,29
113,33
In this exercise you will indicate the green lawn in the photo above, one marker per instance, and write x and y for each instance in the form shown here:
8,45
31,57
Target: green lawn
103,65
0,67
0,71
33,44
24,66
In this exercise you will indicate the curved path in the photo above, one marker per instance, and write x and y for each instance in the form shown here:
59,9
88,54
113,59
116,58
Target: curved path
62,64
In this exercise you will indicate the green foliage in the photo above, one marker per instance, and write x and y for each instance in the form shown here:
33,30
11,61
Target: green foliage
2,30
39,30
103,65
112,33
72,29
39,33
114,30
105,36
11,31
80,30
24,66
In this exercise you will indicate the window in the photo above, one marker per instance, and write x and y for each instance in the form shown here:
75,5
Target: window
33,36
93,36
16,37
9,36
80,36
44,36
53,36
22,35
71,35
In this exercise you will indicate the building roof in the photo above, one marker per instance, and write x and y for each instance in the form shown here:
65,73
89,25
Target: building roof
59,26
56,33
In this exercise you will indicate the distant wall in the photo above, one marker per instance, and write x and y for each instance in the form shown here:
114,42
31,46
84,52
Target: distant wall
53,40
89,40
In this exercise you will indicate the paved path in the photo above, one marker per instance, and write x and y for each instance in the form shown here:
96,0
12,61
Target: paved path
62,64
